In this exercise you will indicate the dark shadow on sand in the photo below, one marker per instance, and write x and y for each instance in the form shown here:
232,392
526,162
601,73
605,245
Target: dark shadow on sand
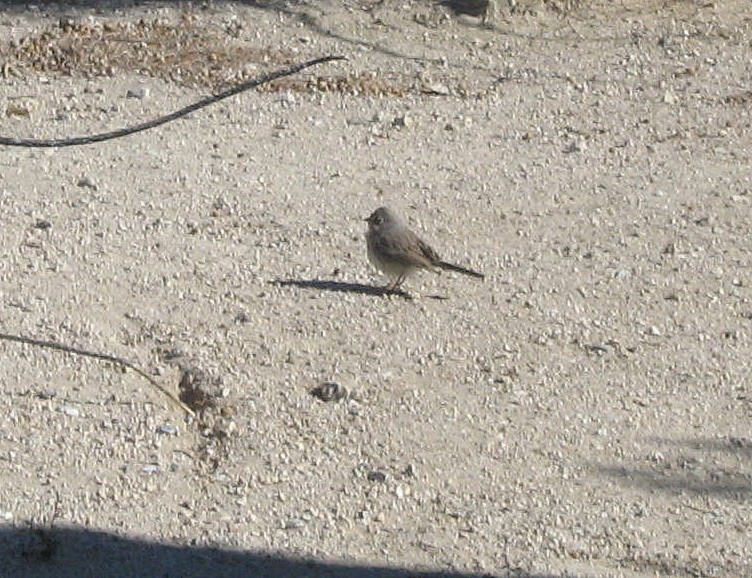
341,287
71,552
690,467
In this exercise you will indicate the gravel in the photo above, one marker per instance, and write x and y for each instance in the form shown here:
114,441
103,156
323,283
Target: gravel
585,411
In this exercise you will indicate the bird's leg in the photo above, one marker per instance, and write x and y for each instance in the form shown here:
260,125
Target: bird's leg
393,286
389,286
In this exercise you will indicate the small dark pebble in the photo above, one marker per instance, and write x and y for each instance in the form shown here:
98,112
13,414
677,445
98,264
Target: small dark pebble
376,476
168,429
42,224
243,317
329,391
470,7
87,182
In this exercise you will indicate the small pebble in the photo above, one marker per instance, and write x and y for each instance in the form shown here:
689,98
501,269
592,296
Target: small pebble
140,93
168,429
42,224
402,121
70,411
294,524
87,182
329,391
623,273
376,476
437,89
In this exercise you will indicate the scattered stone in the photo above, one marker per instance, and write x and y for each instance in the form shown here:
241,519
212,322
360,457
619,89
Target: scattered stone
42,224
150,469
87,182
575,147
70,411
168,429
139,93
376,476
353,408
474,8
22,107
329,391
436,89
623,274
294,524
193,386
403,121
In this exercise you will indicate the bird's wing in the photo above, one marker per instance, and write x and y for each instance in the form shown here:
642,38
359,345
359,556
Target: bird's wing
404,247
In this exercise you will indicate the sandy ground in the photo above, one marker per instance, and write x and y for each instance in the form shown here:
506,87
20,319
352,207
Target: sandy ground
584,411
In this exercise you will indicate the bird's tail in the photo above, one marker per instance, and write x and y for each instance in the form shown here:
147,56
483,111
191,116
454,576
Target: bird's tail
452,267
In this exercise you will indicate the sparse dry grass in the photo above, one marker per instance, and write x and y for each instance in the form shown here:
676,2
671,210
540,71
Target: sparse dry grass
180,51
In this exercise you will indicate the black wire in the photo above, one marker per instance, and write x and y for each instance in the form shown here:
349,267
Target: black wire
248,84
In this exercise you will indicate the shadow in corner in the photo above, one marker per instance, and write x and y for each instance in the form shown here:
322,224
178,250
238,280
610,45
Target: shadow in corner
729,485
341,287
81,553
689,466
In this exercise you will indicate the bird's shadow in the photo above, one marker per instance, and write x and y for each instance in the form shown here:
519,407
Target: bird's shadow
342,287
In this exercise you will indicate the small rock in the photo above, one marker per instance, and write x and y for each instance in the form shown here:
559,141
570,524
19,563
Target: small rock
22,107
140,93
623,273
87,182
353,408
403,121
42,224
653,330
474,8
329,391
168,429
70,411
243,317
376,476
294,524
150,469
575,147
437,89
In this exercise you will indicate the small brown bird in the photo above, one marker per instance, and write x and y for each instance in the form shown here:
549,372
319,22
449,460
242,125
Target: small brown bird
397,251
